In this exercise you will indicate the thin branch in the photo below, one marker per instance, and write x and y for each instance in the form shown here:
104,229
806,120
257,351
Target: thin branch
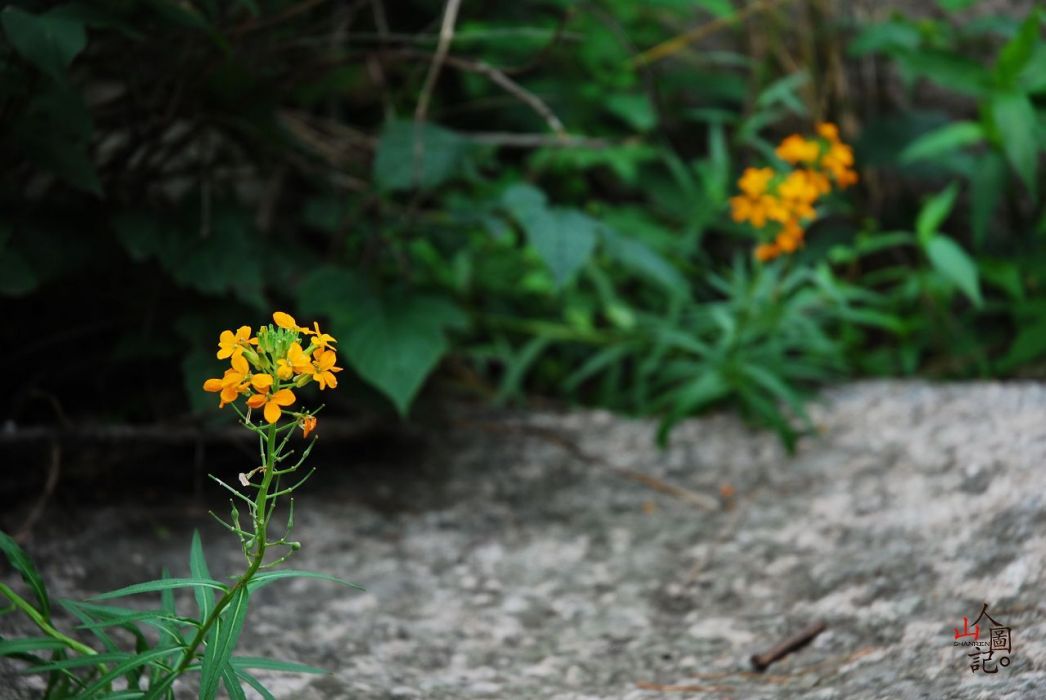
680,42
446,36
500,79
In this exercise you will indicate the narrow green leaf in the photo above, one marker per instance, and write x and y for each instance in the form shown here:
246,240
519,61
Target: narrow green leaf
21,563
987,184
1018,129
10,647
1030,344
82,661
934,212
264,579
942,141
131,664
199,570
949,259
1015,55
245,662
220,650
256,684
161,585
231,681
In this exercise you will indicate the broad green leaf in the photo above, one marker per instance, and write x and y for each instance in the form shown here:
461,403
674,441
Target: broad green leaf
332,291
523,200
564,239
160,585
198,569
220,650
944,140
949,259
404,162
1015,122
245,662
934,212
396,341
49,41
264,579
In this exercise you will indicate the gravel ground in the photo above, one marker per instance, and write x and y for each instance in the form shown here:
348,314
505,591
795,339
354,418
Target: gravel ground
499,563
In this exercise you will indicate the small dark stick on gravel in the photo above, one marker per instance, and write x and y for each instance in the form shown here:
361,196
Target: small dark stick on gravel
794,643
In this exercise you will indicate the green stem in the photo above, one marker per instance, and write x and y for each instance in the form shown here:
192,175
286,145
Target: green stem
43,624
261,541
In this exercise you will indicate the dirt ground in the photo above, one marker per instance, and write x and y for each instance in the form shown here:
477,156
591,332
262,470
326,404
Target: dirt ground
525,556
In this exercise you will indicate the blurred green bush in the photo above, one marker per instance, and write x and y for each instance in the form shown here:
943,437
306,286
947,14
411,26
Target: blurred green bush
536,206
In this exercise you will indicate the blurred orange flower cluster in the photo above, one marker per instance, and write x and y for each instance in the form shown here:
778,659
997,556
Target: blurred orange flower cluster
267,367
783,202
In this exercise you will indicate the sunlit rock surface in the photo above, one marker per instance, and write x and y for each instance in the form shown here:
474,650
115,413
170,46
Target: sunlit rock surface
501,564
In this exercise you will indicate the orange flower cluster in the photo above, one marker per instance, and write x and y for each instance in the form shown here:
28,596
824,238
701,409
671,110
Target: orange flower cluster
266,368
784,202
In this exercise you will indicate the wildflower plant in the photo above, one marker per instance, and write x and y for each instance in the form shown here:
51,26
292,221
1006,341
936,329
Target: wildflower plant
266,369
780,203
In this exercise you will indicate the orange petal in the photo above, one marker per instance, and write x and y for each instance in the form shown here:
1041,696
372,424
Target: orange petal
284,321
240,364
243,333
283,397
212,385
256,401
261,382
272,412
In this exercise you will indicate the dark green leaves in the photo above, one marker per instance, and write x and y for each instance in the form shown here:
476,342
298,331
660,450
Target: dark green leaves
564,238
949,259
393,340
411,155
50,41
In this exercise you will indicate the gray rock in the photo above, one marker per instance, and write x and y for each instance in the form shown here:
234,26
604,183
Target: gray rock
505,567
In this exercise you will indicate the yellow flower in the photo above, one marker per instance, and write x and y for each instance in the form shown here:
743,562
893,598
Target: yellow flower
230,343
755,181
308,424
296,362
287,321
796,149
320,339
324,369
272,404
828,130
232,383
766,251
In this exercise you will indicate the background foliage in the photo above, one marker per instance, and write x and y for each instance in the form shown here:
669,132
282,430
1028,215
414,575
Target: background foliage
540,209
